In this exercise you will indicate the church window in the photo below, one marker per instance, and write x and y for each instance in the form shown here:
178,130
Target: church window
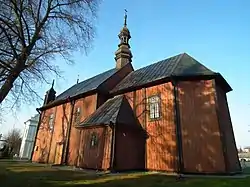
77,115
124,39
93,140
154,107
51,122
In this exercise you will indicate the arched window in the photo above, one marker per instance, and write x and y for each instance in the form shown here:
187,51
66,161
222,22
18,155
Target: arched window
93,140
124,39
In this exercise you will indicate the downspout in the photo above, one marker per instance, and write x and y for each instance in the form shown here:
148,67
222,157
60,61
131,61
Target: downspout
38,125
112,152
178,127
66,147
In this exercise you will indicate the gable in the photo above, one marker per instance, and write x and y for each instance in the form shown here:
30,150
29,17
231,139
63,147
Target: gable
115,110
105,114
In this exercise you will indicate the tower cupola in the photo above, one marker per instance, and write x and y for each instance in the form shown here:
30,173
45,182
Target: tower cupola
123,54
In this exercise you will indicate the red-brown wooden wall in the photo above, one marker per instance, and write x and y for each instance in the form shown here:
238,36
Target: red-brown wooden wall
88,106
129,148
43,139
204,120
62,119
161,142
202,147
231,153
97,157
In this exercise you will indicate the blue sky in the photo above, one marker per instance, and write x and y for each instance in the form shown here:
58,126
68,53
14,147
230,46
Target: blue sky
216,33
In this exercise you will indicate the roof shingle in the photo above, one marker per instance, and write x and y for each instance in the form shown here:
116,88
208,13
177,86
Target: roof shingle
106,113
179,65
86,85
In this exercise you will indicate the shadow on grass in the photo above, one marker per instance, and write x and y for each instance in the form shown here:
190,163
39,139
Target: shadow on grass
30,175
246,170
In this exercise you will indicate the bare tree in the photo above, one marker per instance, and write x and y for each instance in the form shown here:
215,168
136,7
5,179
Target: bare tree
14,140
32,33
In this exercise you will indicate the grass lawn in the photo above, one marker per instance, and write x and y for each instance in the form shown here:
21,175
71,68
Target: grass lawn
21,174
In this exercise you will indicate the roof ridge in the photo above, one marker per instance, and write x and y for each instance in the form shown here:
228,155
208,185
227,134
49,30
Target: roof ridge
87,83
177,63
94,77
182,65
160,61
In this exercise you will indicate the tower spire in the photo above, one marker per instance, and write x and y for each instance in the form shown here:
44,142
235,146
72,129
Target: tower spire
77,81
52,86
125,17
50,94
123,55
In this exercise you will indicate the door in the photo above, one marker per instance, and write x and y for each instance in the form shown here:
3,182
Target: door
58,153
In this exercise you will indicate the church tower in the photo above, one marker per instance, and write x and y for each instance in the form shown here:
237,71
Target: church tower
123,55
50,95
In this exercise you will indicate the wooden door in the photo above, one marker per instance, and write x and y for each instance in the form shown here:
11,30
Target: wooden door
58,153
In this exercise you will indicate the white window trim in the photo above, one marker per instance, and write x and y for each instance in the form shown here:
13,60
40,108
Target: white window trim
154,104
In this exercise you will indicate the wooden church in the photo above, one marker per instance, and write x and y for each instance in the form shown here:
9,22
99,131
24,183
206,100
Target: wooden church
170,116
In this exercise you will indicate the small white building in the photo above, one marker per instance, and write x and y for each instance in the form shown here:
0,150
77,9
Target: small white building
247,149
28,139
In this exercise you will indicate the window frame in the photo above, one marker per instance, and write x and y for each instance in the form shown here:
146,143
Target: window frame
51,122
77,115
94,139
159,107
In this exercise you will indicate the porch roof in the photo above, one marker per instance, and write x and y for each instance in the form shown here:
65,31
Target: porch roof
106,113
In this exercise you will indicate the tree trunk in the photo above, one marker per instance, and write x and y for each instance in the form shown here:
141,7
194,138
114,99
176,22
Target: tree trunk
8,84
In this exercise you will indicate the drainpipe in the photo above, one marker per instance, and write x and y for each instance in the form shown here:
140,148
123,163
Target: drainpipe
178,127
112,152
66,147
38,126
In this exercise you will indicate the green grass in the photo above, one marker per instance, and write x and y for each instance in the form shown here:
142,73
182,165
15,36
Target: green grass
246,170
19,174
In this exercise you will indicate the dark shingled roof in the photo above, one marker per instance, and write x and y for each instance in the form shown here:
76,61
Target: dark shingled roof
105,113
86,85
179,65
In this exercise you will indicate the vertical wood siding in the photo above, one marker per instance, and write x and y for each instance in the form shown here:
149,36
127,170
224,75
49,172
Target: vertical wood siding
92,157
99,157
43,139
233,164
49,145
202,148
130,97
62,119
88,106
139,106
101,99
129,148
161,143
107,148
